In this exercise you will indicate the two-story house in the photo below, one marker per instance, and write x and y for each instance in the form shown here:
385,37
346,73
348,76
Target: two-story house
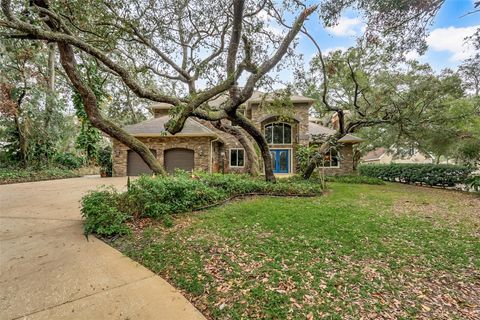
200,146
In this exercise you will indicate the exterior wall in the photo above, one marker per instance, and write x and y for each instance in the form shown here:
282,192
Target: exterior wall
222,149
388,158
261,117
200,145
346,162
217,159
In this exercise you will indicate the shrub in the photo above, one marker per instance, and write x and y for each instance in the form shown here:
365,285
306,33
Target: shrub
429,174
162,196
473,183
102,213
355,179
68,160
104,160
14,175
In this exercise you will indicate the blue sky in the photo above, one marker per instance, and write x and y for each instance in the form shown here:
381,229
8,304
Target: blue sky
446,48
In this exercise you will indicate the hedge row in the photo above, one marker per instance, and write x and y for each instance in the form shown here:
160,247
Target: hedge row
429,174
107,211
15,175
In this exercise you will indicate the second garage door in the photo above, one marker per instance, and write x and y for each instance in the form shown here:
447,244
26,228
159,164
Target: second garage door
179,159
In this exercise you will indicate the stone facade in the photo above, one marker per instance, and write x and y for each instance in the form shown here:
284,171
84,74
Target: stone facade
200,145
346,162
212,154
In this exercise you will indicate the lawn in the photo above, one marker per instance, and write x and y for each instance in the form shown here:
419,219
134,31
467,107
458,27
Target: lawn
360,251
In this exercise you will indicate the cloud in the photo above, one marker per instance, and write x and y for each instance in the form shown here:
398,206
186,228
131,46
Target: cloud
328,50
412,55
452,40
347,27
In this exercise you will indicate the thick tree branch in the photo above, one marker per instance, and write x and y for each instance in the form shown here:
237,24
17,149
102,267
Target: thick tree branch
267,65
38,33
89,100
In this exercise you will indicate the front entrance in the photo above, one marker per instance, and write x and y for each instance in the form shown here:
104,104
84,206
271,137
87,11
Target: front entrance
280,160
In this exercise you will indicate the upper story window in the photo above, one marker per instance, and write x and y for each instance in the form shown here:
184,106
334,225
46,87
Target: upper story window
278,133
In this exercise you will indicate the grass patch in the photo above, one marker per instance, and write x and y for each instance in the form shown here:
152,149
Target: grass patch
16,175
354,179
349,254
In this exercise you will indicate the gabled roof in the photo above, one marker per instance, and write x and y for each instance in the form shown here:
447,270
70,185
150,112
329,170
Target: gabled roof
374,154
156,127
315,129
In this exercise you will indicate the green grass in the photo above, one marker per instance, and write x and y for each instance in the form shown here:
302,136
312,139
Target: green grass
360,250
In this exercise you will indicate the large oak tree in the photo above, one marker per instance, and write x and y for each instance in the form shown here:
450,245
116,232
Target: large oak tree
188,52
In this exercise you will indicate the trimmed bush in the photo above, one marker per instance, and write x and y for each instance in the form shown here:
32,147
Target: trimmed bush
102,211
162,196
429,174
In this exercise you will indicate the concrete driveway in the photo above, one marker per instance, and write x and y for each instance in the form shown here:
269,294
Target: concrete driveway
48,269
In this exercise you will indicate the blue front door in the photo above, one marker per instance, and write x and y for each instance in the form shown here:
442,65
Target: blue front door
280,160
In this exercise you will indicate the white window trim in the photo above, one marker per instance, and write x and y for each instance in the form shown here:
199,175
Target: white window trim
334,167
230,157
278,144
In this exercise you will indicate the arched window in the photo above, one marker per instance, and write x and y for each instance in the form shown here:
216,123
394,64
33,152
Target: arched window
278,133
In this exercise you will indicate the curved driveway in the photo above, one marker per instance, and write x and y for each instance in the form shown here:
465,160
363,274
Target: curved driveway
48,269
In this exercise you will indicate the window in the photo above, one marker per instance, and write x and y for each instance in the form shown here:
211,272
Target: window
331,160
237,157
278,133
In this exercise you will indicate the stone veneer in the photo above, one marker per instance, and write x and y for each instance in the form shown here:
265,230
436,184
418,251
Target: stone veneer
221,148
200,145
346,162
260,117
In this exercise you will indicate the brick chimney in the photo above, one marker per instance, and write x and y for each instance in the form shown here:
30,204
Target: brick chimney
160,109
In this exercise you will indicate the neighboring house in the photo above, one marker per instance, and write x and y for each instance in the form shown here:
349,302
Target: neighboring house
383,155
200,146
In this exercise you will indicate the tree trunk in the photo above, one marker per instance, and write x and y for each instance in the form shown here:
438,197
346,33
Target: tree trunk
315,160
252,159
21,141
257,135
50,84
89,100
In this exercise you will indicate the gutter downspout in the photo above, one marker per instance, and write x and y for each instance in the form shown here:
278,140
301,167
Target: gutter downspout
211,153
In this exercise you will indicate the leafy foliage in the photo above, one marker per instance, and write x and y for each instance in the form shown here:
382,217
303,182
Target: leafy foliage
473,182
69,160
104,159
429,174
14,175
102,215
158,197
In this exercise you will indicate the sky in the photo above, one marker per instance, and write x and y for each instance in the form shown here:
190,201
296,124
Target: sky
445,40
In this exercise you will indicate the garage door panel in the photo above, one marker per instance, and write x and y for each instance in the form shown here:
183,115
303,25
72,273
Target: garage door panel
135,164
179,158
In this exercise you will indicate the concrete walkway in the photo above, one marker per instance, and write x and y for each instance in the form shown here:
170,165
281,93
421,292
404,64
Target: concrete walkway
48,270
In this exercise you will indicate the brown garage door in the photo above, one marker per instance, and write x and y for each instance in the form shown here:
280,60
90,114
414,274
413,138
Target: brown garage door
178,159
135,164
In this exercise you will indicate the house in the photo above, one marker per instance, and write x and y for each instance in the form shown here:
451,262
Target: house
385,156
200,146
